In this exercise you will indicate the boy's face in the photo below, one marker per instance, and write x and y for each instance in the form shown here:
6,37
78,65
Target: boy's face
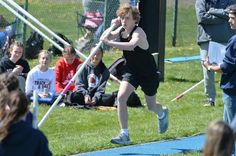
127,21
232,21
96,58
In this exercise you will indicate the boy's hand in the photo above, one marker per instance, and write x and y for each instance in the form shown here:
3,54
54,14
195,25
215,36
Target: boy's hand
206,62
87,99
116,21
17,70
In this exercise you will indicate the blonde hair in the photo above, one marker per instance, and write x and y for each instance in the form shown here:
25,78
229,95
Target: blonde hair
125,8
220,139
45,52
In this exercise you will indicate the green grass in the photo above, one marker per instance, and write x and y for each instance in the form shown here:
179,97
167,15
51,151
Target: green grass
75,131
71,131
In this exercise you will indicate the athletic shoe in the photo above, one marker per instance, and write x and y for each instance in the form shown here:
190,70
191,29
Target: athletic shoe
121,139
163,122
62,104
209,103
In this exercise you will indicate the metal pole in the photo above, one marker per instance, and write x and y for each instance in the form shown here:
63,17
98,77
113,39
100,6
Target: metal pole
30,25
175,15
35,110
14,4
24,25
73,79
187,91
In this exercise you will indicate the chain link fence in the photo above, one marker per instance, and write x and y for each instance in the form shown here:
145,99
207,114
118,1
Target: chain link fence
67,17
186,24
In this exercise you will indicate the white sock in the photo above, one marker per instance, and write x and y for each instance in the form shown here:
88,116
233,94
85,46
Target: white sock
125,131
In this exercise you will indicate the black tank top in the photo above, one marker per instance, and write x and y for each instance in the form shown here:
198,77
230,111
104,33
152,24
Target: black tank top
139,61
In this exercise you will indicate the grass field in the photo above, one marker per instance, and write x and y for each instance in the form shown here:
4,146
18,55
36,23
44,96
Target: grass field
71,131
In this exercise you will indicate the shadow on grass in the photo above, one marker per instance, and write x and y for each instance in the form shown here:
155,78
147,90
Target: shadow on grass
187,151
182,80
183,151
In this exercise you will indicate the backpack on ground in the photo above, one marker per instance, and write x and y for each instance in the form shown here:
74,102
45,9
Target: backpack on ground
117,68
33,45
55,51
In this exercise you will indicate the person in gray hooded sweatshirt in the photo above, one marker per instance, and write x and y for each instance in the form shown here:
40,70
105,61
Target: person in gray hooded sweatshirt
212,18
91,82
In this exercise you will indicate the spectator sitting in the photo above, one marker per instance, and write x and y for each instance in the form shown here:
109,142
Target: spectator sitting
15,64
65,69
91,82
16,135
10,82
220,139
42,79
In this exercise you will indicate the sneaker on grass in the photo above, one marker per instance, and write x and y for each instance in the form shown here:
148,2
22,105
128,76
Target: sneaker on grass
163,121
121,139
209,103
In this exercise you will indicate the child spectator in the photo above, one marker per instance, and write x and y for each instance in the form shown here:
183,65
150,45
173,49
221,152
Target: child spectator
91,82
10,82
15,64
42,78
220,139
16,136
65,69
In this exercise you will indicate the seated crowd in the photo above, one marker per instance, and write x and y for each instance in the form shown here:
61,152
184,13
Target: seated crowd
88,89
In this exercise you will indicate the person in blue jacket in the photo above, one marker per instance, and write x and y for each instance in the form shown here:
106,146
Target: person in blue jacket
228,70
16,136
212,19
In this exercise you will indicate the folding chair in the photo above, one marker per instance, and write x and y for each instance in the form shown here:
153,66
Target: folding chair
88,21
88,25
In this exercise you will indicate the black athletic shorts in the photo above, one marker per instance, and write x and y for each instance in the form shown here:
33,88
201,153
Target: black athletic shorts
148,83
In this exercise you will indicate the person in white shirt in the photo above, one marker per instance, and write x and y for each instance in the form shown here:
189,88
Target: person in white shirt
41,78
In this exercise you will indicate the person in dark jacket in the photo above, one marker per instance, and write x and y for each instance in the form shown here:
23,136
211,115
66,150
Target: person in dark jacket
16,136
15,64
228,70
212,18
91,82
